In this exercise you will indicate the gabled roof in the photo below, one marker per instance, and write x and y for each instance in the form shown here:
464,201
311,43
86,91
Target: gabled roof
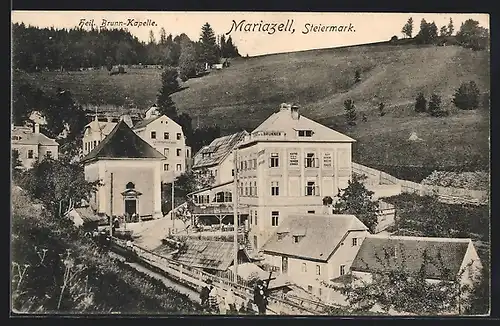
408,252
122,142
143,123
27,137
323,234
101,126
218,150
207,254
282,121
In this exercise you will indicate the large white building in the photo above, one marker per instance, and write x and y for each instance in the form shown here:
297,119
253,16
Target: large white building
167,137
286,166
31,145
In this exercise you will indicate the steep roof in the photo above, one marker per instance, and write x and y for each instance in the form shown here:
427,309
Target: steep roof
102,126
25,136
283,121
122,142
218,150
408,252
321,235
217,255
143,123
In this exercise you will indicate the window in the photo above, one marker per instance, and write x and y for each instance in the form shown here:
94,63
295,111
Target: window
294,159
178,152
165,167
255,216
245,165
166,135
342,270
255,188
153,134
275,218
274,160
178,167
179,136
241,188
250,189
310,161
228,197
251,217
166,151
30,153
304,267
95,143
309,288
311,189
275,189
311,212
215,172
86,147
241,165
354,242
130,185
305,133
296,239
318,270
255,164
49,154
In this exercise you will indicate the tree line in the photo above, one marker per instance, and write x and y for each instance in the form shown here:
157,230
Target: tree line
470,34
36,49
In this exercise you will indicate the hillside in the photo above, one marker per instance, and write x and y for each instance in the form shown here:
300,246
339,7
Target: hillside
319,81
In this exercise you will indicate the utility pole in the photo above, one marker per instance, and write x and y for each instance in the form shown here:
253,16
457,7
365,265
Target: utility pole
172,210
111,208
235,214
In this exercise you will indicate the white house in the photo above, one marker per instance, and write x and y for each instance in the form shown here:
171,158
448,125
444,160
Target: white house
94,133
447,258
31,145
167,137
311,248
130,170
286,166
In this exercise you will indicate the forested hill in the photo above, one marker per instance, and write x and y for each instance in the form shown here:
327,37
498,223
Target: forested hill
37,49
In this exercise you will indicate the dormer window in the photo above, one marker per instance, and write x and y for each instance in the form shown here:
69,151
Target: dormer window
296,238
305,133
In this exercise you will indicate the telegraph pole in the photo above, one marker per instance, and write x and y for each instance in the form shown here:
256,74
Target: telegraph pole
111,208
235,214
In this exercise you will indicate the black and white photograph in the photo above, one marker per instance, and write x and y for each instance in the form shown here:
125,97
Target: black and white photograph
250,164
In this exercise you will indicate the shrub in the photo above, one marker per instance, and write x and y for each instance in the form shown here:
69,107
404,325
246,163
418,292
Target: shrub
435,108
467,96
420,103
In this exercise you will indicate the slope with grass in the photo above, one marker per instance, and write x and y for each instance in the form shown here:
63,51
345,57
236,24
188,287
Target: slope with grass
243,95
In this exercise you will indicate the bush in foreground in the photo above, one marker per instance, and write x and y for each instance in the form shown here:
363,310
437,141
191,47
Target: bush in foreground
56,270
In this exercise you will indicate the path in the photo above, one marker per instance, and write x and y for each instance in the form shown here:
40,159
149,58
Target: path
193,295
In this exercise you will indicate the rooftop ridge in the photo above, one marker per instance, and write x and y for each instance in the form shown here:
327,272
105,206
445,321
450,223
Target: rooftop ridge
414,238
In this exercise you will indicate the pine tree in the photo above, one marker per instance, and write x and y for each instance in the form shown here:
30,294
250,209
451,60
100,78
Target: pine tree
435,108
187,61
451,28
169,85
420,103
408,28
163,36
223,47
350,112
443,31
152,39
231,49
209,53
381,107
467,96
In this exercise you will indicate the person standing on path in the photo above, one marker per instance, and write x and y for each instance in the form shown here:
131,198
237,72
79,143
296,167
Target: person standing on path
205,290
260,297
213,300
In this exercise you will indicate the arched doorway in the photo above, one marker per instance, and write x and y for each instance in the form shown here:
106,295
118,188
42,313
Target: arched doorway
131,203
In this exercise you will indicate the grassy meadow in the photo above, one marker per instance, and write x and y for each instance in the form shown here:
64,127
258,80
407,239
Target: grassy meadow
246,93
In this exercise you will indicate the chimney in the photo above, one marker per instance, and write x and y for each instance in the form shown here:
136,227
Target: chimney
295,112
36,128
285,106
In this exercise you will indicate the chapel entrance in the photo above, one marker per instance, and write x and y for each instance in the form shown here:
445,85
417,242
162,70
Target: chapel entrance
130,206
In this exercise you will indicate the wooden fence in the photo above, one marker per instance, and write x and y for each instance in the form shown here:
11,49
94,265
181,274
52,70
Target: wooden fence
445,194
195,278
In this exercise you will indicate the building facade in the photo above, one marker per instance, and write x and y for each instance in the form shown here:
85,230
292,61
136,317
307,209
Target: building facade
167,137
130,172
217,157
286,166
312,249
94,133
31,145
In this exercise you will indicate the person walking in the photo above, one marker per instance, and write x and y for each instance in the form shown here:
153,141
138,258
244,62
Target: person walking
230,302
260,297
205,290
